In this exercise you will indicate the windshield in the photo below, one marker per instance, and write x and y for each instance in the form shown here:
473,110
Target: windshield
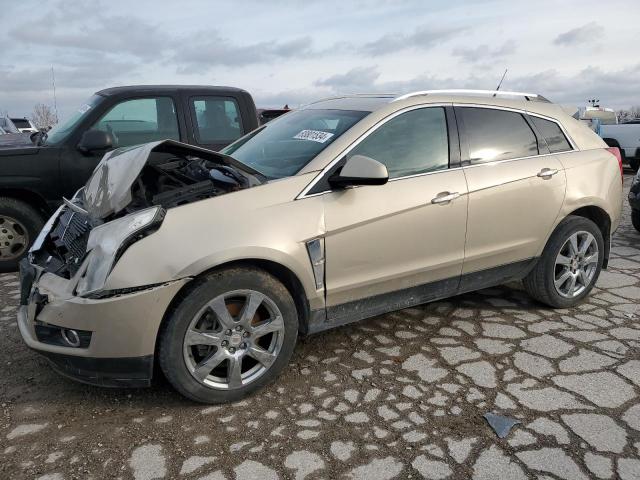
58,133
21,122
285,145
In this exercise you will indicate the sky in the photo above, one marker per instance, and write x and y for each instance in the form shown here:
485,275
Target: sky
286,51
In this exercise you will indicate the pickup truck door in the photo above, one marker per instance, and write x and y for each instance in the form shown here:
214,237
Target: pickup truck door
130,121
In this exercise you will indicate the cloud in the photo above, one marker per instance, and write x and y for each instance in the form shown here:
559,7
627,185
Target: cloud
484,52
422,38
356,79
82,28
587,33
209,49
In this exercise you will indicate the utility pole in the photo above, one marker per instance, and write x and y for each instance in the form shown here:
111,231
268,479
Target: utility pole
55,101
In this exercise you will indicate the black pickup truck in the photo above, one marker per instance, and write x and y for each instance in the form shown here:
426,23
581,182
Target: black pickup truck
34,178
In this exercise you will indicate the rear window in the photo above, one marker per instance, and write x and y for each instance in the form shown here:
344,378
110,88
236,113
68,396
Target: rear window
552,133
497,134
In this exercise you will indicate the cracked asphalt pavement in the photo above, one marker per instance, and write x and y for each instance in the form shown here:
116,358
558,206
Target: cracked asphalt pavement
398,396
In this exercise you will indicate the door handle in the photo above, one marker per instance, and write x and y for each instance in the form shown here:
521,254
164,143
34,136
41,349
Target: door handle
547,173
445,197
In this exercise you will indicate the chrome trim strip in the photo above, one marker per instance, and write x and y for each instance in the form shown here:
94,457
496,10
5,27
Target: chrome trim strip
522,111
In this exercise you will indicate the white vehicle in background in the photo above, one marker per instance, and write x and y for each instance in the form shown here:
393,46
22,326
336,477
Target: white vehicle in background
24,125
625,136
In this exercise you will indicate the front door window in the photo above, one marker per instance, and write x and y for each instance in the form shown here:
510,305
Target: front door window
141,120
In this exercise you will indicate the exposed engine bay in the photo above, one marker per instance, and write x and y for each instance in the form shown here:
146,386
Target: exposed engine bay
178,181
163,174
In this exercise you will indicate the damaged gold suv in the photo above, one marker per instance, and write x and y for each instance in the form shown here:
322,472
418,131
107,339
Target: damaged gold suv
212,264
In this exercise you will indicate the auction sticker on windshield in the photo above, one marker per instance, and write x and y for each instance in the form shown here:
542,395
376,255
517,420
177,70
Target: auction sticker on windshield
314,135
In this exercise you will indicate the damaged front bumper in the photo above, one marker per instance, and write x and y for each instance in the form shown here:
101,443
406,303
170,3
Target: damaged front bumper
108,341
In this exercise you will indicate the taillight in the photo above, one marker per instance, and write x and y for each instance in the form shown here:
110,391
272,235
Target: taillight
615,151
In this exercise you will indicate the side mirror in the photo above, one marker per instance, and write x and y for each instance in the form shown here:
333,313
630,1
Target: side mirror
360,170
93,140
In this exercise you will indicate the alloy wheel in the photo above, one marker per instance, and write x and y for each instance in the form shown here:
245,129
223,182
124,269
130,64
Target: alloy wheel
576,264
233,339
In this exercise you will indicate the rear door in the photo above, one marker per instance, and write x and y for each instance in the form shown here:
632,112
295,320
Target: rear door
399,244
516,189
216,120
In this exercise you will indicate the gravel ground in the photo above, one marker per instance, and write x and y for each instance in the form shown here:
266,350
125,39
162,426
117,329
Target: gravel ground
399,396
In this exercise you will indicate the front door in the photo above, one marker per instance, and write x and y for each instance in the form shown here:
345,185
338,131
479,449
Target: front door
400,244
130,122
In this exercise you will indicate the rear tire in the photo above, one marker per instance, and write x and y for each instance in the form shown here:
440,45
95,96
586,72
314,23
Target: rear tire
20,224
550,280
231,334
635,219
634,163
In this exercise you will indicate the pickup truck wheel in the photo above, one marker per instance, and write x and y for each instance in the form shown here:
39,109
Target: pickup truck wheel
570,264
634,163
230,335
20,224
635,219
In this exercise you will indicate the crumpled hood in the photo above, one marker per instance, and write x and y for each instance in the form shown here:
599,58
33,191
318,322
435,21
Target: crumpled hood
108,191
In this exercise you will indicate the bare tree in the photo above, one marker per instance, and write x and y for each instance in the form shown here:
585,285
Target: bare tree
627,114
43,116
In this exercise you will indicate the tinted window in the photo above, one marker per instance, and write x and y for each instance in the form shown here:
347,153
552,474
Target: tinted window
497,134
411,143
217,119
552,133
284,145
141,120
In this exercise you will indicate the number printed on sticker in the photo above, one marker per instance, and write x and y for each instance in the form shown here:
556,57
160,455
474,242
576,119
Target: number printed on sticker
314,135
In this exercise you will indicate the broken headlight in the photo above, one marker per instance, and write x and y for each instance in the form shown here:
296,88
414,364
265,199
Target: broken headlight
108,241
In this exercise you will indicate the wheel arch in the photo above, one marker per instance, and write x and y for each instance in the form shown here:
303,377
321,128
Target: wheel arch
29,197
601,218
282,273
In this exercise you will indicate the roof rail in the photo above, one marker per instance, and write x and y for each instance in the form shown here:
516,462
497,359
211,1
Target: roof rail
532,97
353,95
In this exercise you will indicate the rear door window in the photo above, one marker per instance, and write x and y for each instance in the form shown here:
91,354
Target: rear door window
552,133
494,135
217,119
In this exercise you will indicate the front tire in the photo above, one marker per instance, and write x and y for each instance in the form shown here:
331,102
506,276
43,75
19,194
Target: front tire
570,264
20,224
230,335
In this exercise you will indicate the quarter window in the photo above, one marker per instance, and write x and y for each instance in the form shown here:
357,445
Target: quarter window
556,141
217,119
412,143
141,120
497,134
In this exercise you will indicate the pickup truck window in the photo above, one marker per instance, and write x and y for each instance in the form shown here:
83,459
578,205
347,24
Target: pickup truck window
140,120
217,120
283,146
